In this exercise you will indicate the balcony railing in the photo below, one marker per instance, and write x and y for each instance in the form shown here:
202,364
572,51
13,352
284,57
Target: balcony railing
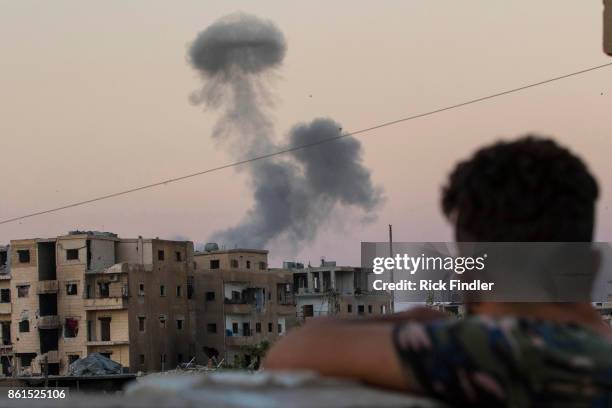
47,286
48,322
107,303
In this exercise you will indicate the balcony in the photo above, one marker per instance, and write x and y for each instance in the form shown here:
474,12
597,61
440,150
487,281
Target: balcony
47,286
48,322
92,343
238,308
6,308
239,341
109,303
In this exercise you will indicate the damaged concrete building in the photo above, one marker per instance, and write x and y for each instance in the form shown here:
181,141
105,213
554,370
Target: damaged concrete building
240,303
88,291
6,347
331,290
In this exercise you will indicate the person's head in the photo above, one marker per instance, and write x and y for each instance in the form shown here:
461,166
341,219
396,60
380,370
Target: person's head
527,190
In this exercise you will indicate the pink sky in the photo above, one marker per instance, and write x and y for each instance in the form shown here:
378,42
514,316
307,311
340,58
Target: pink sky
95,99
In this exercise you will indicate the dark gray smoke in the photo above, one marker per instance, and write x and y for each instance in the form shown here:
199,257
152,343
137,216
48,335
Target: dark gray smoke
294,194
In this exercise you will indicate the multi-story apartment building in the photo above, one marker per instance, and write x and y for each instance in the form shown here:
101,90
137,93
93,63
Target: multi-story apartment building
94,292
6,347
239,303
341,291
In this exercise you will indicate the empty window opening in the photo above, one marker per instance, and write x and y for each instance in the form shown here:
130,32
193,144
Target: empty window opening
210,296
104,288
105,328
179,324
179,291
90,330
6,333
258,327
349,308
26,359
48,304
23,291
3,258
107,354
235,328
162,321
141,289
369,308
269,327
178,256
141,323
46,261
308,310
141,359
179,358
162,290
279,328
72,358
71,328
262,265
71,289
211,328
72,254
24,326
5,296
214,264
248,264
234,263
23,255
360,309
246,329
160,255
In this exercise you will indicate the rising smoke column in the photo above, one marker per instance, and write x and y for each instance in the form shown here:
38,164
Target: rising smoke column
238,57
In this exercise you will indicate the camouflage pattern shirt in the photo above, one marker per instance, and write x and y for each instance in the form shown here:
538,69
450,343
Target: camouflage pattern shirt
507,362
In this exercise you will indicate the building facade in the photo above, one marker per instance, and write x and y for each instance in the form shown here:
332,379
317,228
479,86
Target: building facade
331,290
94,292
241,304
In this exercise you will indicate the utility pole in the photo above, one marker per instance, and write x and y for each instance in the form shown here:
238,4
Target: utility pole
392,270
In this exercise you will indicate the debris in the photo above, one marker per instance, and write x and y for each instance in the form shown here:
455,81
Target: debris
94,364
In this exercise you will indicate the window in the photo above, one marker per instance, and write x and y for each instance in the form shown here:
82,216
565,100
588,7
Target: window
162,290
211,328
262,265
107,355
258,327
178,256
349,308
160,255
141,289
234,263
179,324
24,326
179,291
141,323
360,309
234,328
72,358
88,291
369,308
23,255
71,289
280,328
210,296
248,264
3,258
5,296
246,329
104,288
26,359
162,321
105,328
179,358
141,359
71,328
23,291
214,264
72,254
162,359
269,327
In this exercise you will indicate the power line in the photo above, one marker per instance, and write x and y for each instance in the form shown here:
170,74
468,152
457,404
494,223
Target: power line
304,146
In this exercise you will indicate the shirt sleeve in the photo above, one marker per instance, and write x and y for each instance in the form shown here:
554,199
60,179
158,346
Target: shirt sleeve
461,362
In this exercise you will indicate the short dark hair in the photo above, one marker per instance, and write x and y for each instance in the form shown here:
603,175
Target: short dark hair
527,190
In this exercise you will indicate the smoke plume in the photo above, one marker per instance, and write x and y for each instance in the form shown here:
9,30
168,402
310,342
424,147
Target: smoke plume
238,57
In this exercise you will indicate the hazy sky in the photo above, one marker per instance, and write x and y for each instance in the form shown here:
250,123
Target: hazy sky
94,99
